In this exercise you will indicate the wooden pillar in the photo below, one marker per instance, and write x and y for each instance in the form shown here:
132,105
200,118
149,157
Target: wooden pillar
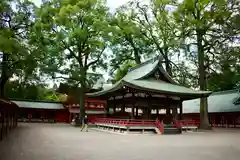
181,110
107,108
132,115
114,105
157,110
123,105
174,112
168,107
133,105
149,109
69,118
136,112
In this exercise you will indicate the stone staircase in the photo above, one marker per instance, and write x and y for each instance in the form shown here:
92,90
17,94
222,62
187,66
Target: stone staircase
171,129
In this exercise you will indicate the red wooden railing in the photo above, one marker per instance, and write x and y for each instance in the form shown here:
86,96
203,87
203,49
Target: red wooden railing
160,126
177,124
181,123
130,122
124,122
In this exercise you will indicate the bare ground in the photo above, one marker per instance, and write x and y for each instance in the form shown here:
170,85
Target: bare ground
63,142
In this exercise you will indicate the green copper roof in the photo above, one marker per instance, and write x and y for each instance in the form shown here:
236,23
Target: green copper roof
164,87
39,104
227,101
143,77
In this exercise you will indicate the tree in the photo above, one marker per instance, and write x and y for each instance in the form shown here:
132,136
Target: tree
74,34
31,90
16,54
227,73
205,25
122,71
127,42
157,26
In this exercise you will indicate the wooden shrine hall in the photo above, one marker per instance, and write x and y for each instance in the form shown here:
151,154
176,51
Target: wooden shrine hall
147,88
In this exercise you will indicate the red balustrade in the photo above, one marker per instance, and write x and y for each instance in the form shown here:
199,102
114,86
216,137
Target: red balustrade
125,122
160,126
181,123
130,122
177,124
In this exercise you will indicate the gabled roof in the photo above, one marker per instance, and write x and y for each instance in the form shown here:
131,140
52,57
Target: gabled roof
39,104
143,77
225,101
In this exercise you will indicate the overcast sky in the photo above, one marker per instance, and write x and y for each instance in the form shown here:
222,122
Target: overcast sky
113,4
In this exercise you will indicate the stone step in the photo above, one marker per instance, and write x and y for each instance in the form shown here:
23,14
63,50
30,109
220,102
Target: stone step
172,130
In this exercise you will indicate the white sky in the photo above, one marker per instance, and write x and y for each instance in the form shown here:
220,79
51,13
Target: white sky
112,4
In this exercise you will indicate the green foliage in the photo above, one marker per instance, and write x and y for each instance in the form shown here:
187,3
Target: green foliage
159,28
18,57
206,26
75,35
122,71
215,24
227,74
30,91
127,42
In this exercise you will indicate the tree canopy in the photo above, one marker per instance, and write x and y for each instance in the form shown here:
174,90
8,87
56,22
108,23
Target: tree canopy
78,41
74,34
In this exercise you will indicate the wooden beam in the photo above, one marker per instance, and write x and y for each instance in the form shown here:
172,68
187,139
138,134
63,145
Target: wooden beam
154,100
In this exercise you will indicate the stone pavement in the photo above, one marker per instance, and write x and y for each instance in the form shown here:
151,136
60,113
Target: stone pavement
64,142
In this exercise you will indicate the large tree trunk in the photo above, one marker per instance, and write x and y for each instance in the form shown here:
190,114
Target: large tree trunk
82,97
3,81
135,50
4,75
168,65
204,122
82,106
167,61
137,57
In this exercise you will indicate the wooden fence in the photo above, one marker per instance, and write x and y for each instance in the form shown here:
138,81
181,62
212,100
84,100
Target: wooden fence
8,117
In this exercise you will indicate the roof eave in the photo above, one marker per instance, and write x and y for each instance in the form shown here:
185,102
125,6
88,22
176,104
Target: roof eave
190,95
103,92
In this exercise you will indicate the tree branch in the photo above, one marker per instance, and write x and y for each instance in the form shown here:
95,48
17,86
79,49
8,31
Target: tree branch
67,78
98,58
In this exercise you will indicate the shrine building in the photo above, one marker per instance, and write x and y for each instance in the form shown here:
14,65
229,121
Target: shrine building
147,88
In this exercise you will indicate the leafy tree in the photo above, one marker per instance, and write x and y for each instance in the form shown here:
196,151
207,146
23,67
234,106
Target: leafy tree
127,42
122,71
16,21
32,91
205,25
227,70
157,26
74,34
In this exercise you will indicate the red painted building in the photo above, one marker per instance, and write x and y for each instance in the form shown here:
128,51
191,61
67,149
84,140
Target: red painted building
93,107
42,111
223,109
51,111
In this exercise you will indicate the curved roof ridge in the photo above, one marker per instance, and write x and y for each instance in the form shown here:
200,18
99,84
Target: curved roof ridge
144,63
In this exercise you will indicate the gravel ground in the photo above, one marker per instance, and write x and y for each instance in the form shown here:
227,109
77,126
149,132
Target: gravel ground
64,142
